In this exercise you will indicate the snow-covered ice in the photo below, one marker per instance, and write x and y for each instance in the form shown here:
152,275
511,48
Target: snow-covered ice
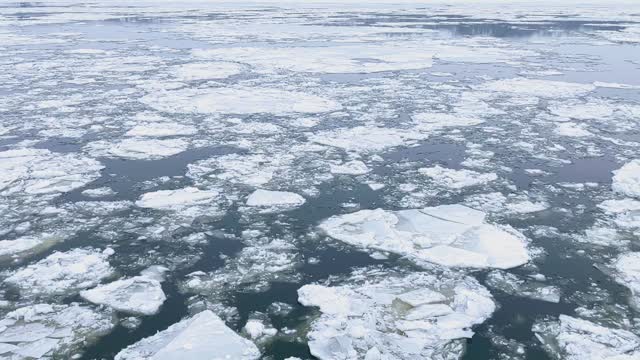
457,179
206,71
627,273
198,337
176,199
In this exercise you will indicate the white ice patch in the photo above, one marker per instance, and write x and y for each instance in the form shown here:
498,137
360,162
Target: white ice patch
44,331
577,339
62,273
238,100
176,199
457,179
354,167
98,192
539,88
250,169
572,130
366,139
138,148
429,121
376,315
449,235
206,71
39,171
627,267
26,245
195,338
138,295
578,110
161,130
626,180
267,198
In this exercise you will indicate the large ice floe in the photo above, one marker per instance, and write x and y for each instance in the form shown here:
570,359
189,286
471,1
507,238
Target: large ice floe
203,336
62,273
239,100
377,314
44,331
176,199
206,71
449,235
571,338
138,295
626,180
40,171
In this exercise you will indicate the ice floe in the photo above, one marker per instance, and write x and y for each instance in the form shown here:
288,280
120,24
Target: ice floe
62,273
627,273
268,198
198,337
540,88
239,100
44,331
520,286
353,167
626,180
449,235
379,315
161,130
366,139
206,71
40,171
138,295
138,148
457,179
572,338
176,199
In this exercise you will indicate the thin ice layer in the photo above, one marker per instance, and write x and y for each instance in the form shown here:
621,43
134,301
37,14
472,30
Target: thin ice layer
375,314
449,235
196,338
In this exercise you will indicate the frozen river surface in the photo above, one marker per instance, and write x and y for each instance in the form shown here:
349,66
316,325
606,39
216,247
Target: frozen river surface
209,180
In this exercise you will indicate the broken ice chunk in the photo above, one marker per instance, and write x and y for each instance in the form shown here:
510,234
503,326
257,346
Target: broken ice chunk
457,179
536,87
62,273
450,235
138,148
161,130
626,180
196,338
176,199
627,268
267,198
51,331
206,70
354,167
577,339
517,286
371,310
139,295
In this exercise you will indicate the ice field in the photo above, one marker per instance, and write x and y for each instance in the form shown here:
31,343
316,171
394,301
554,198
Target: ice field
370,180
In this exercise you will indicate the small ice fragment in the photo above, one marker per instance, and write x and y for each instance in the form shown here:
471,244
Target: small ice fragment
354,167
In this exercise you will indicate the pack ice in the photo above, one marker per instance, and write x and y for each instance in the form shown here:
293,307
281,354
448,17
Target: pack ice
449,235
239,100
62,273
203,336
571,338
378,315
44,331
